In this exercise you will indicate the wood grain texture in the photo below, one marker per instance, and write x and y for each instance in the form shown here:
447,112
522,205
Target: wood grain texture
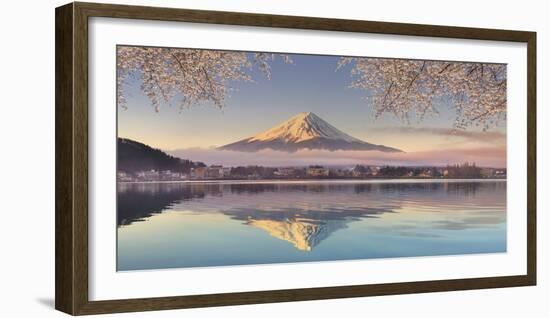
165,303
297,22
532,158
80,155
64,236
72,157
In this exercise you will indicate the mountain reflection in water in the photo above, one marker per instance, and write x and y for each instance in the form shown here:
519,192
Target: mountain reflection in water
304,234
301,226
306,215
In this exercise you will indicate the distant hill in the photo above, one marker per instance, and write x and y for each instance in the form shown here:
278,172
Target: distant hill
135,156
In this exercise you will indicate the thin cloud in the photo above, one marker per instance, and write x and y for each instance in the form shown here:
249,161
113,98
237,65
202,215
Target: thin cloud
479,136
490,156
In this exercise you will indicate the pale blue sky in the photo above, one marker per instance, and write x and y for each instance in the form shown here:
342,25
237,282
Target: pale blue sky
310,83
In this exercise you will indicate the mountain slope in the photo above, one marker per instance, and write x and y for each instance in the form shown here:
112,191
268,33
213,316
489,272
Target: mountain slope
135,156
304,131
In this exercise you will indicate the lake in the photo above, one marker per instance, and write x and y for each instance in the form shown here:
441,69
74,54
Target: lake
175,225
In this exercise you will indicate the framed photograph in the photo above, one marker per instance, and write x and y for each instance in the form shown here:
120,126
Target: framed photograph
219,158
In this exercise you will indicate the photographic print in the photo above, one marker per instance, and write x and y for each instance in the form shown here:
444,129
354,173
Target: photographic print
231,158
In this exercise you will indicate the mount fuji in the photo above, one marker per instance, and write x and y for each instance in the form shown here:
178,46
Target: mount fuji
304,131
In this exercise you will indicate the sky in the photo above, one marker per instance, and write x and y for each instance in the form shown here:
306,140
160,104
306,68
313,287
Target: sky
310,84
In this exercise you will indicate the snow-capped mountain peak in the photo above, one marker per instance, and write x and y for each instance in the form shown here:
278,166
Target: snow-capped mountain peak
301,127
304,131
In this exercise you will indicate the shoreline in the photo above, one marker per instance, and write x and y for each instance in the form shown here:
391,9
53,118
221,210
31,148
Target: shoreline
312,181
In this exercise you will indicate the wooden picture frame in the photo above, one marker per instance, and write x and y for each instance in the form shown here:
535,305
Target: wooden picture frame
71,90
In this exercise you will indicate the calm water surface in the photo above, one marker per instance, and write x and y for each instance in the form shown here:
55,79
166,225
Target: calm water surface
170,225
